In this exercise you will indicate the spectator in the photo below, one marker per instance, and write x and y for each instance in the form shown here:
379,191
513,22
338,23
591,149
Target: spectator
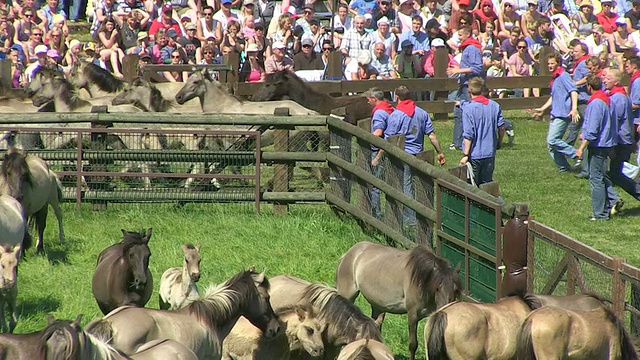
416,36
73,54
529,18
7,9
584,20
18,79
434,31
361,68
620,41
304,21
247,30
632,68
430,11
129,26
408,65
385,10
24,27
207,26
497,70
42,59
208,53
470,66
507,19
382,63
361,7
252,70
379,117
184,7
107,39
356,39
126,7
249,11
261,42
57,40
265,10
428,61
92,53
633,16
176,76
414,123
454,20
284,34
307,59
341,20
327,48
224,14
607,18
488,38
483,126
405,14
189,44
384,36
53,60
317,36
6,36
164,22
47,12
29,47
485,14
597,42
233,37
541,36
278,61
104,9
156,50
521,64
508,47
599,134
369,25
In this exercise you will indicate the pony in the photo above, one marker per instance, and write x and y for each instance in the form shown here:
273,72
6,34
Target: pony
94,79
555,333
490,330
415,282
122,275
344,321
145,96
201,325
13,223
178,286
286,84
29,179
9,257
365,349
33,345
302,333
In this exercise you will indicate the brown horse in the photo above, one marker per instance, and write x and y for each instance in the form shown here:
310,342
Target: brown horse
34,345
122,275
489,330
285,84
365,349
345,322
551,333
201,326
415,282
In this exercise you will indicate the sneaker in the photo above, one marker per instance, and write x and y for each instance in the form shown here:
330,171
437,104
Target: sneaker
616,207
582,175
593,218
452,146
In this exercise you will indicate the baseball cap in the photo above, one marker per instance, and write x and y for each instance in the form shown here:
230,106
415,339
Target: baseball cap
405,1
41,49
190,26
368,16
463,2
437,42
89,46
309,7
185,16
383,20
432,24
53,53
406,44
307,42
167,8
145,55
621,21
172,33
224,2
534,2
277,45
314,21
251,48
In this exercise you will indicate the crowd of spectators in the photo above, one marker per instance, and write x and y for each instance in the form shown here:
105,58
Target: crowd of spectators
378,39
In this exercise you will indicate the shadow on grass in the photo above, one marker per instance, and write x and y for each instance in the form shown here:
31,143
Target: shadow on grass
43,305
400,357
630,212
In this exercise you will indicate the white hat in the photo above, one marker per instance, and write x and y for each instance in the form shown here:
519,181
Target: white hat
364,57
368,16
383,20
252,48
437,42
41,49
405,1
278,45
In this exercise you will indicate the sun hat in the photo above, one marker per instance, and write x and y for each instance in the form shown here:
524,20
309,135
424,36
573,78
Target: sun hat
437,42
57,18
73,43
586,3
252,48
190,26
224,2
41,49
277,45
142,35
383,20
53,53
364,57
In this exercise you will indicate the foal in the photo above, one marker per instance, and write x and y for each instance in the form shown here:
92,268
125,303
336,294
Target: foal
8,285
178,286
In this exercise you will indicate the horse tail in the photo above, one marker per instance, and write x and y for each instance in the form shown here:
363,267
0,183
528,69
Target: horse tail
58,187
524,350
101,329
628,351
436,327
27,240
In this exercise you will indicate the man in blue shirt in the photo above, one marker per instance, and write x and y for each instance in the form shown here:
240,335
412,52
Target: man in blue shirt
632,68
470,66
580,72
483,129
600,135
414,123
418,38
380,114
564,109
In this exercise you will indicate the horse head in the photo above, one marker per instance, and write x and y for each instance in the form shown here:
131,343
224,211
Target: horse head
9,263
136,254
15,173
133,93
192,260
448,286
310,330
77,77
276,87
61,339
195,86
257,308
41,76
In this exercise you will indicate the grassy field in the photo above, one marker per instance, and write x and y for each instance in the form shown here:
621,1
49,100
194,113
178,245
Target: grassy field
306,243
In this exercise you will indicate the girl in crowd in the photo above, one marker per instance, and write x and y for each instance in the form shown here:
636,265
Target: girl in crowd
24,27
484,14
507,19
176,76
584,20
207,26
284,34
252,70
521,63
233,37
488,38
73,54
107,39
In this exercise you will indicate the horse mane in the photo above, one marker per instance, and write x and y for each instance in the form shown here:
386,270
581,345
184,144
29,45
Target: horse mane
363,352
219,302
72,350
47,72
102,78
428,271
627,349
531,300
68,93
158,102
96,347
15,163
340,315
132,239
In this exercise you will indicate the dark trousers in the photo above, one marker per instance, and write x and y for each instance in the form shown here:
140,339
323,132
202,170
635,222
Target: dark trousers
483,169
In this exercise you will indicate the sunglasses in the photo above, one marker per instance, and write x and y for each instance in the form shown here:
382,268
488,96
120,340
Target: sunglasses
28,15
175,57
208,14
487,6
384,3
37,34
607,5
306,46
522,47
208,52
508,5
327,49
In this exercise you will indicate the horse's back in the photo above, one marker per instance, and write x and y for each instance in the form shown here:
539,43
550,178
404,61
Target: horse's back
285,291
165,349
376,349
43,185
20,347
12,221
242,341
577,302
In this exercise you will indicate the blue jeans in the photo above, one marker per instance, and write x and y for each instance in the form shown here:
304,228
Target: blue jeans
558,148
462,94
374,193
622,153
77,9
409,218
574,128
483,170
603,196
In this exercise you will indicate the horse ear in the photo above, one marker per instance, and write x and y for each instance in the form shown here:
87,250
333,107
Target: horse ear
147,237
458,267
124,232
198,247
301,312
258,278
16,249
252,268
379,320
206,74
76,322
50,319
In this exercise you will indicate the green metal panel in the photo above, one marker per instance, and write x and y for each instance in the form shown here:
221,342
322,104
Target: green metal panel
482,279
453,214
455,255
482,228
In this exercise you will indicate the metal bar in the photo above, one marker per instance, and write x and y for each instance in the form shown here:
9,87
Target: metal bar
273,196
164,118
158,175
452,239
175,194
257,173
267,156
112,130
498,244
78,171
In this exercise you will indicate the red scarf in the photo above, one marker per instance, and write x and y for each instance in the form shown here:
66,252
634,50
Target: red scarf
635,75
383,105
577,62
599,94
470,41
480,14
617,89
557,72
407,106
481,99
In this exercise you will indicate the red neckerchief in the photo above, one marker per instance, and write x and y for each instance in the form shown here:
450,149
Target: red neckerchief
481,99
557,72
470,41
600,73
407,106
635,75
577,62
383,105
599,94
617,89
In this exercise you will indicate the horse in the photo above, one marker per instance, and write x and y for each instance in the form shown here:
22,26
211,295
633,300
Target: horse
365,349
13,223
415,282
145,96
94,79
555,333
489,331
345,322
29,180
201,325
33,345
302,333
178,286
286,84
9,257
122,275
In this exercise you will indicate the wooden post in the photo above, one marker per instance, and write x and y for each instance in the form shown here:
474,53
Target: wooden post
231,77
334,67
6,77
340,146
393,175
282,172
619,288
130,67
425,194
441,63
491,187
459,171
98,142
363,161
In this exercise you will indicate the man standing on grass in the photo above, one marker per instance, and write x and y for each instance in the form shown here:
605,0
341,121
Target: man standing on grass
470,66
632,68
599,133
483,129
564,110
414,123
380,115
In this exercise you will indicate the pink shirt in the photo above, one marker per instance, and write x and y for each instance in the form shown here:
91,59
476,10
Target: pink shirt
428,62
521,64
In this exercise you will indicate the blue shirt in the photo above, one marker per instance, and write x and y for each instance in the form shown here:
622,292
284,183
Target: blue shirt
379,121
420,40
621,105
561,91
472,59
414,128
599,125
578,74
480,123
634,95
364,6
